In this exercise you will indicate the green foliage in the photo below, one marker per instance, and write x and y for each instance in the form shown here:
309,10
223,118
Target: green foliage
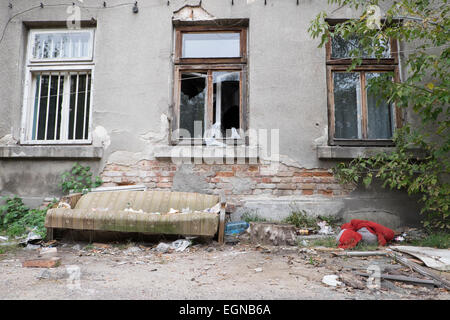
16,218
440,240
79,179
425,29
300,219
328,242
252,217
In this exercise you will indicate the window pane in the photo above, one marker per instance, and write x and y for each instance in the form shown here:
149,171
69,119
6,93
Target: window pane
62,45
211,45
193,102
379,114
341,48
347,105
47,107
78,109
226,100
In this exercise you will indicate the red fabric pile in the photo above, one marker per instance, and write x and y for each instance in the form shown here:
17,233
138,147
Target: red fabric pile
350,237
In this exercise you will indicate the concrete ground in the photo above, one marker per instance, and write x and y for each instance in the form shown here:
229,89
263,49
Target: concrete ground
203,271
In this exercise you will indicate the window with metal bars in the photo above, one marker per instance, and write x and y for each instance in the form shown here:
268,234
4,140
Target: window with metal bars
58,95
61,106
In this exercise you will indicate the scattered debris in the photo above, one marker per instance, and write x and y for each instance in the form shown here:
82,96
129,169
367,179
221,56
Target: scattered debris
3,239
331,280
352,281
276,234
101,245
49,274
403,279
76,247
360,253
442,282
32,238
48,251
438,259
32,246
258,270
163,247
325,228
180,245
42,263
132,250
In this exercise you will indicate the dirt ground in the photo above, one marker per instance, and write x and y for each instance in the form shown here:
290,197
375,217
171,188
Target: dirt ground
202,271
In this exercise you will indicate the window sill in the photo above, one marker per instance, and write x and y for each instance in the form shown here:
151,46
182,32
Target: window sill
336,152
206,152
53,152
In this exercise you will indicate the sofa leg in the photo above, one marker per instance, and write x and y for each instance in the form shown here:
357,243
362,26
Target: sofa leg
222,222
50,235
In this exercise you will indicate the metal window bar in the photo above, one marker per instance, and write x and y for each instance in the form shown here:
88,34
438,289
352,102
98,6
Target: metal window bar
48,105
38,107
85,105
76,107
55,134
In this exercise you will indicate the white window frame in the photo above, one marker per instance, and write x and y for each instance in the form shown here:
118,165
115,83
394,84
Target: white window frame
59,60
64,66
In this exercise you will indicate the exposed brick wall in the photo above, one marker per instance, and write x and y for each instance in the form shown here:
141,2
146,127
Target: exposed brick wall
285,181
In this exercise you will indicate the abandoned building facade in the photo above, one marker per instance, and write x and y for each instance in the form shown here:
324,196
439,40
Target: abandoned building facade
218,97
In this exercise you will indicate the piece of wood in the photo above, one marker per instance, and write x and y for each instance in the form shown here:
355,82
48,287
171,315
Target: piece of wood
352,281
360,253
403,279
42,263
221,236
414,266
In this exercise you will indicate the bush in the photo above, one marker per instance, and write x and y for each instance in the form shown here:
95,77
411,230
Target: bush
252,217
79,179
301,219
16,218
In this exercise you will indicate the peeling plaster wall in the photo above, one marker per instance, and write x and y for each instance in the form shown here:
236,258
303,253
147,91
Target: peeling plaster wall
133,86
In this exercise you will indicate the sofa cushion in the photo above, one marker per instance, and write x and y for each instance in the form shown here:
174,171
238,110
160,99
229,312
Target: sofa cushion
148,201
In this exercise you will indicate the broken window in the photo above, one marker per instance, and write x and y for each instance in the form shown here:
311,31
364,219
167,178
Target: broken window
358,114
210,66
58,95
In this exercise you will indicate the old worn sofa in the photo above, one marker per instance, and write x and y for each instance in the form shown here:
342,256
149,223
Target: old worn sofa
150,212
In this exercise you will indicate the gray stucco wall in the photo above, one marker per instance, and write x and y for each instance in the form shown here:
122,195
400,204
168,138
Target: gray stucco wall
133,80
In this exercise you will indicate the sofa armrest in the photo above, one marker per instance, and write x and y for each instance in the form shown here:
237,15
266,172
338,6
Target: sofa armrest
72,199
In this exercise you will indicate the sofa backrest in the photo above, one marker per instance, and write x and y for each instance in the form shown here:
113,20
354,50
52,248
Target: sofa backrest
148,201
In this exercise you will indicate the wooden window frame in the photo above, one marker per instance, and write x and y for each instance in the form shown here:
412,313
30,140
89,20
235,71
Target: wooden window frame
209,65
367,65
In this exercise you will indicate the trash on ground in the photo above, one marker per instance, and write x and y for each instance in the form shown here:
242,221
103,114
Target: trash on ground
32,246
324,228
331,280
235,228
258,269
3,239
48,251
350,235
180,245
132,250
32,237
438,259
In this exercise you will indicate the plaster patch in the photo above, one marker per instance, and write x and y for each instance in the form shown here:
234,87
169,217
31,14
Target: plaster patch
155,137
8,140
128,158
192,13
323,139
100,137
